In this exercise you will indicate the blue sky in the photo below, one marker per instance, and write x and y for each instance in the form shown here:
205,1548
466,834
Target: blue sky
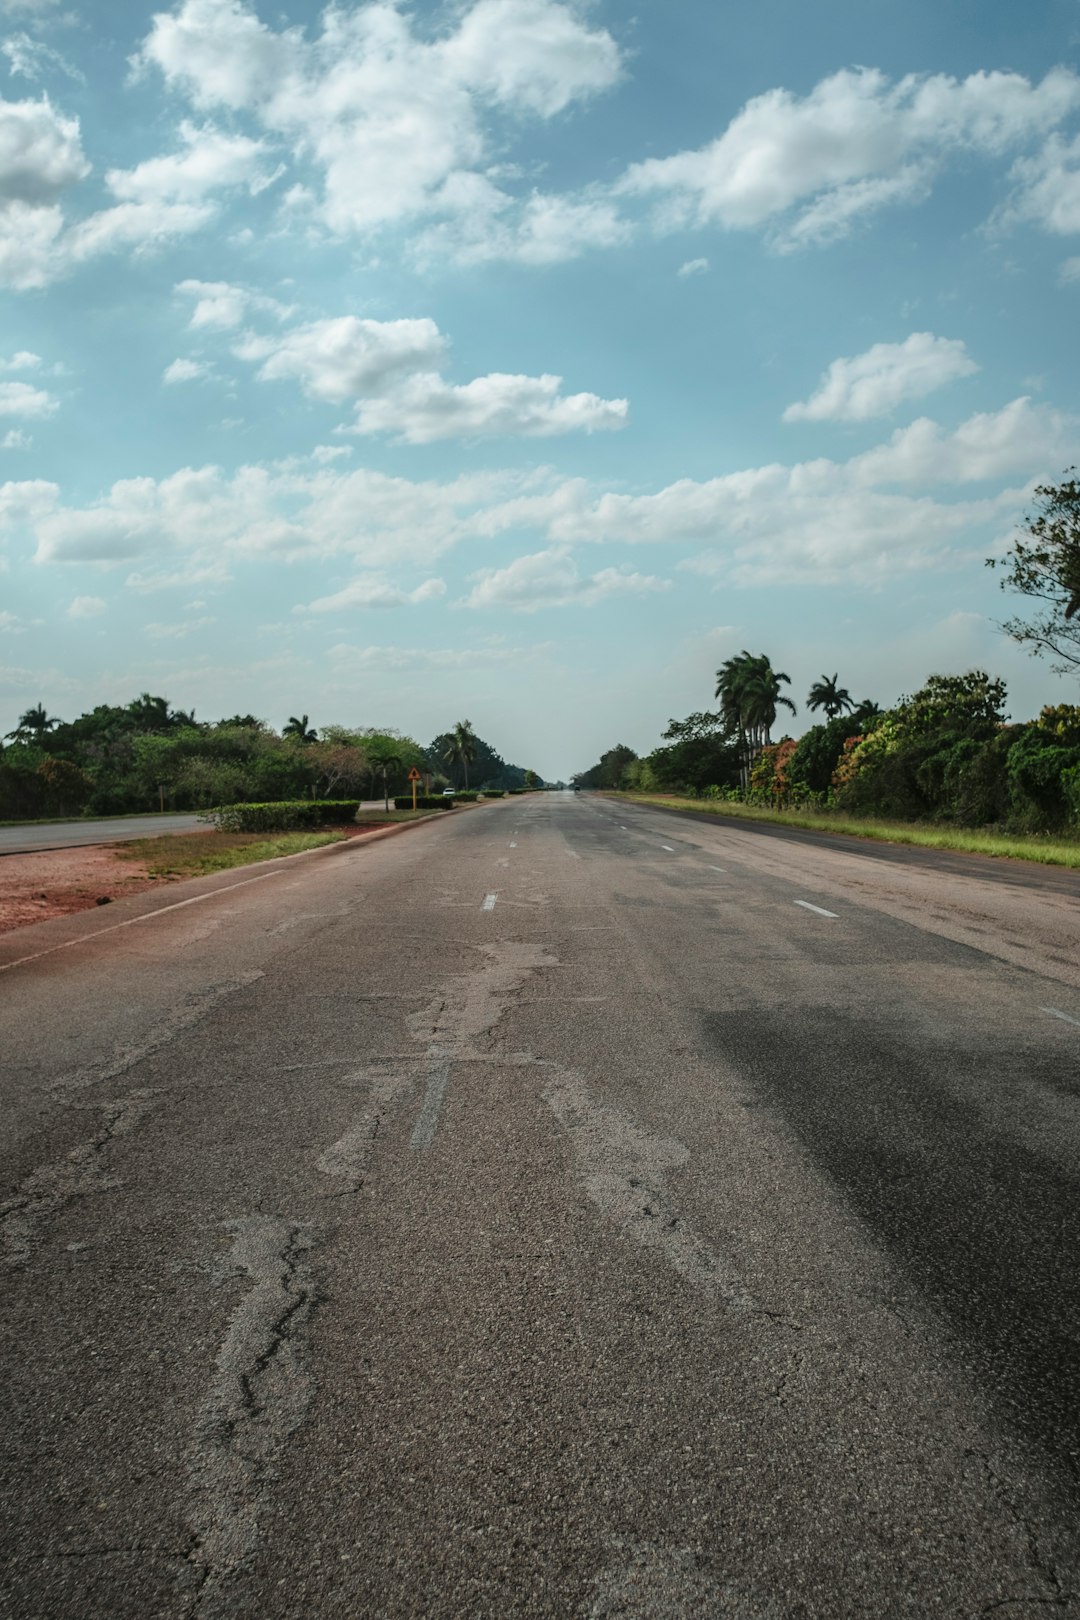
522,360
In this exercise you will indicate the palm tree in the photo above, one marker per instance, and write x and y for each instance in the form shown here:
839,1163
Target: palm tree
298,728
33,725
749,691
825,694
462,748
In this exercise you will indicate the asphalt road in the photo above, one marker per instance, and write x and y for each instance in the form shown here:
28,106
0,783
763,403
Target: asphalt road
71,834
557,1210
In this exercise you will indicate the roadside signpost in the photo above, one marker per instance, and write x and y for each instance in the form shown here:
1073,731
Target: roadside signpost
414,777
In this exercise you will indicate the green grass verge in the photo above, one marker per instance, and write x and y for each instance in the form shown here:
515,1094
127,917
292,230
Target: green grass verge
184,855
1047,850
382,818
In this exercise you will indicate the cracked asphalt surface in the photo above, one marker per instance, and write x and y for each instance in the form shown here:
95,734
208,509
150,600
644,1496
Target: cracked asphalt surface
547,1212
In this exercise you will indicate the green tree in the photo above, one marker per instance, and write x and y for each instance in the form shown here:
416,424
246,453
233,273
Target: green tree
749,692
462,747
1044,566
825,694
34,725
297,727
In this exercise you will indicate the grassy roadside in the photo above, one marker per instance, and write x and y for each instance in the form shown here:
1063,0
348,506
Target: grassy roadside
1044,849
185,855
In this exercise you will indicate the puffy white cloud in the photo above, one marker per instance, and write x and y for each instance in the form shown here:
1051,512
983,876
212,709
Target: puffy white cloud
1047,188
430,658
20,399
386,366
693,267
531,53
178,631
1017,440
160,199
86,607
206,161
41,152
23,360
374,590
854,143
551,579
16,439
425,408
221,305
387,116
182,370
886,375
486,224
859,522
341,358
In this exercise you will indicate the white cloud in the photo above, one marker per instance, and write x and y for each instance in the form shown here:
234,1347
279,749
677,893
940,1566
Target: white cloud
86,607
338,359
157,201
375,591
182,370
387,367
551,579
220,305
1069,271
487,224
854,143
40,152
24,360
387,116
425,408
874,383
429,658
20,399
12,624
1047,188
693,267
860,522
16,439
33,59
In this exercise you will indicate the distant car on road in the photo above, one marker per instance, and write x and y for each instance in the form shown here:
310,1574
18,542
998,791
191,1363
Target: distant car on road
448,793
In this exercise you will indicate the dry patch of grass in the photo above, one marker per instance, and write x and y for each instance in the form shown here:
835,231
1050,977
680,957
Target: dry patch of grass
1035,847
185,855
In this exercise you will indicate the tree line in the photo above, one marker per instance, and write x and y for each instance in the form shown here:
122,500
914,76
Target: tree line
946,752
147,755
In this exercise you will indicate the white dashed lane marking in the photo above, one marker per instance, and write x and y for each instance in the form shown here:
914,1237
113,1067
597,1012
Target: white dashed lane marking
1065,1019
818,910
489,902
669,847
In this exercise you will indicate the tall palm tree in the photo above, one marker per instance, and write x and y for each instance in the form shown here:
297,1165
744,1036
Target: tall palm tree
825,694
298,728
33,725
749,691
462,748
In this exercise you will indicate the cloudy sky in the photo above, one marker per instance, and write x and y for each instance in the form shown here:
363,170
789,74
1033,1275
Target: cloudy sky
523,359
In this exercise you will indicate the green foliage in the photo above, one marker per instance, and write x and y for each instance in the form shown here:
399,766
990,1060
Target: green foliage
608,773
1044,566
485,766
817,754
286,816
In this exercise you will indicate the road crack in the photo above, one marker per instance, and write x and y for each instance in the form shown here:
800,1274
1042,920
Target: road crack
260,1395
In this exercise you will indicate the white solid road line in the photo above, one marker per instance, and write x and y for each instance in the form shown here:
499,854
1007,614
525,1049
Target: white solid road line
489,902
513,843
669,847
1063,1016
147,916
717,868
820,910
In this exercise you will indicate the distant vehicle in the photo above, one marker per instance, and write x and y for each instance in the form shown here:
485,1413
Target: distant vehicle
448,793
576,788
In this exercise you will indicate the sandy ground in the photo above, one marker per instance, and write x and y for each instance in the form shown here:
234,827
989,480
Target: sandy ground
53,882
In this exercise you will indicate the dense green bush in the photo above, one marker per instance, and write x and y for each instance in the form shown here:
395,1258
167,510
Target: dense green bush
425,801
286,815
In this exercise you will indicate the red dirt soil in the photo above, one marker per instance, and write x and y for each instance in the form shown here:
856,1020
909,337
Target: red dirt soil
55,882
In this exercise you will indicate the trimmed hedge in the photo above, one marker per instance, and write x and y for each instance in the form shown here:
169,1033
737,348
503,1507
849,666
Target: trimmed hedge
286,815
494,793
425,801
466,797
